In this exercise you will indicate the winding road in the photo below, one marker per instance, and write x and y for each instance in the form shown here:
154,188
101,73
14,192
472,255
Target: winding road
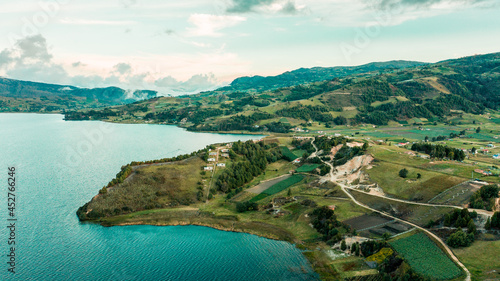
344,189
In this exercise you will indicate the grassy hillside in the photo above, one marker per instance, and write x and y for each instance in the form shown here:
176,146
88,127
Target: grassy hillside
424,94
24,96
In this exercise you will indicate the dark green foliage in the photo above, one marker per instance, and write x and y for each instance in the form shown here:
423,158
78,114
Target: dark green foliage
439,151
485,197
121,176
460,239
343,245
495,220
403,173
303,145
307,112
346,153
242,207
458,218
324,169
256,156
370,247
325,222
238,122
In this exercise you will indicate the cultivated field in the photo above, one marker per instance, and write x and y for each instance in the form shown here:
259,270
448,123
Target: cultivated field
425,257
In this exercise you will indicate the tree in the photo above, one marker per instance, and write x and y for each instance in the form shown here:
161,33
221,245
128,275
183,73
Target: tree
460,239
471,227
365,146
478,130
343,245
419,176
386,236
403,173
289,193
356,251
473,150
487,226
354,246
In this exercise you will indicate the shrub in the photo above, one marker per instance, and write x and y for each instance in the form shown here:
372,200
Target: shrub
403,173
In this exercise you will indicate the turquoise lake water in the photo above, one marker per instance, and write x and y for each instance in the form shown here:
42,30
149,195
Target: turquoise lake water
60,165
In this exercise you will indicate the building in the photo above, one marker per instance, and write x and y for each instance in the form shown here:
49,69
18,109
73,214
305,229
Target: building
208,168
225,150
211,159
213,154
222,165
225,155
496,156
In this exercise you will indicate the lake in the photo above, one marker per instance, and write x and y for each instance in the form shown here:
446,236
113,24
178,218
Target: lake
61,165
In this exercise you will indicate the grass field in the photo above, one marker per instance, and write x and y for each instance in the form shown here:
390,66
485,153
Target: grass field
419,215
481,258
287,153
425,257
278,187
307,168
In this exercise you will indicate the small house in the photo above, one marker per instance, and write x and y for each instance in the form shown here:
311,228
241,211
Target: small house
222,165
208,168
211,159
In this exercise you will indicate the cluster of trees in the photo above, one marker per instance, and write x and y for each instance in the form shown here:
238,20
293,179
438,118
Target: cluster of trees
254,160
325,222
90,115
439,151
121,176
461,219
307,112
305,92
242,207
346,153
238,122
304,145
494,222
165,160
373,90
326,144
384,113
251,101
485,197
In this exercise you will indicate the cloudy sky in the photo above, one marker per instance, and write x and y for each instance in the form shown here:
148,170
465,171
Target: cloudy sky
188,46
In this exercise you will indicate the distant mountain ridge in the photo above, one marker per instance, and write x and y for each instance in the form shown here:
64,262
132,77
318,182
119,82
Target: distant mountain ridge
26,96
26,89
310,75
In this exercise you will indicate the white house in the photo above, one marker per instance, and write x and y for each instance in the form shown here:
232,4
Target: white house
211,159
208,168
221,165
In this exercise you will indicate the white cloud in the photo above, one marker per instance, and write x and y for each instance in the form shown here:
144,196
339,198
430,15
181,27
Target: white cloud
210,25
31,60
94,22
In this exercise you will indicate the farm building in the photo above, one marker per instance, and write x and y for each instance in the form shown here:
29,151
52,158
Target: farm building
496,156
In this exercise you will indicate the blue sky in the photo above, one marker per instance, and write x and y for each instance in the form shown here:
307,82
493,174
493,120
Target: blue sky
188,46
